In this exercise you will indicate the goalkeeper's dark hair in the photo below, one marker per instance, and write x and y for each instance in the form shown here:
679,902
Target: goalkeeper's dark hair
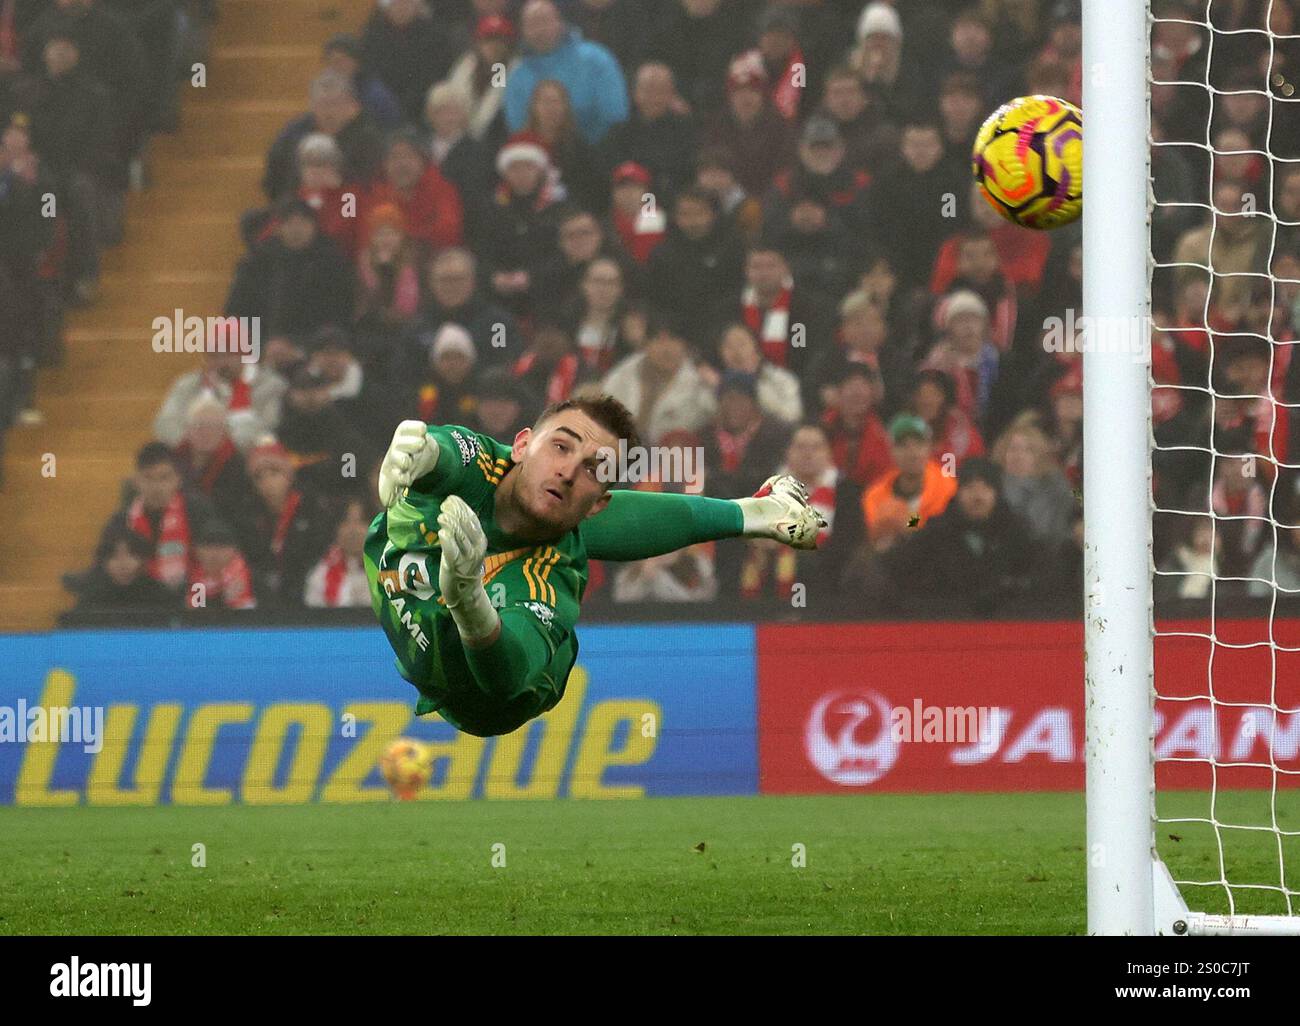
605,410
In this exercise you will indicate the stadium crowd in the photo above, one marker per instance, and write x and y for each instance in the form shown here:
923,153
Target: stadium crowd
754,222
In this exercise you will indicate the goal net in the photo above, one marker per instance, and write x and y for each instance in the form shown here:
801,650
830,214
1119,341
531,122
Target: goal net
1213,744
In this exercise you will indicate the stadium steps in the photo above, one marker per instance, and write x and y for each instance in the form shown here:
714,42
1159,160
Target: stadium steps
181,246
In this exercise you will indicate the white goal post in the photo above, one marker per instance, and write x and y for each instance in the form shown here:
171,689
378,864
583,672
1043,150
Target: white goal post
1130,890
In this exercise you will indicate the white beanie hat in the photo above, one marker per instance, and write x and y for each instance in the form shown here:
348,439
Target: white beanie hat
879,17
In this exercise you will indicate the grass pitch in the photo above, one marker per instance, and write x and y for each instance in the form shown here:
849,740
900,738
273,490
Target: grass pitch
875,864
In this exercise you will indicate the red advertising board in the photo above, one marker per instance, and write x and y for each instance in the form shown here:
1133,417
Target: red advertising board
999,706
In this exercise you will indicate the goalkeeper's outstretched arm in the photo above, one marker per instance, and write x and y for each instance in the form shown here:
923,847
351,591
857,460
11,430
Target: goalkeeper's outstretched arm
640,525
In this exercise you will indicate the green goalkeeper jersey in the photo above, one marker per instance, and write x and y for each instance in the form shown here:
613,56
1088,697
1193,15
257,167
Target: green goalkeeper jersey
522,579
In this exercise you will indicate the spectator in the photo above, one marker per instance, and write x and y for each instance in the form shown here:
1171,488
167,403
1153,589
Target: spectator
934,400
697,39
328,416
208,459
503,407
699,260
481,74
338,580
901,206
444,391
1240,503
519,230
750,128
661,385
599,311
777,389
823,173
1032,485
786,317
747,444
979,269
587,70
118,591
549,366
821,251
343,54
320,174
219,575
336,112
858,439
581,240
403,48
870,136
860,339
715,172
1241,245
619,25
1191,569
454,297
297,281
250,394
460,157
635,214
70,113
658,136
964,350
551,121
775,569
914,490
429,203
388,279
165,515
970,560
281,534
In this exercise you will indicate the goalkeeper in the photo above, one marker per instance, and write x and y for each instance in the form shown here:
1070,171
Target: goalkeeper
467,517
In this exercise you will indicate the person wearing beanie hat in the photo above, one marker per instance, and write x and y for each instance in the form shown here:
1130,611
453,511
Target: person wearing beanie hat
964,350
779,50
914,490
641,227
444,391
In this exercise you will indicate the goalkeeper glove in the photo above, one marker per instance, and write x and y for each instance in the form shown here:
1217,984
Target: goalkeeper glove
780,510
411,455
460,573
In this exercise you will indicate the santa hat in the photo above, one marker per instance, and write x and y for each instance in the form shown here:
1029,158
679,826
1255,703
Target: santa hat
523,146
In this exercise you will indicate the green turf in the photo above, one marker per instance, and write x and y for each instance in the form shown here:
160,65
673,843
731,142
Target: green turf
895,864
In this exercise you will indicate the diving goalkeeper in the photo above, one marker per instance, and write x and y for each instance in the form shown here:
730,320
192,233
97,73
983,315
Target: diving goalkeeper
478,563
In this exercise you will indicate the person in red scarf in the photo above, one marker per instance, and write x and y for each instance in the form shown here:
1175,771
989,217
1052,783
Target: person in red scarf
783,60
746,444
429,202
209,461
859,442
549,367
338,580
640,226
166,515
284,532
790,323
219,576
445,392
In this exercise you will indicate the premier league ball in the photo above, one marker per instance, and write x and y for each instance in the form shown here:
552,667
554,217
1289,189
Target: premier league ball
1028,161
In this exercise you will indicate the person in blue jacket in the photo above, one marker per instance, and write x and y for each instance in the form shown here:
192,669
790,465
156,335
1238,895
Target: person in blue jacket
591,74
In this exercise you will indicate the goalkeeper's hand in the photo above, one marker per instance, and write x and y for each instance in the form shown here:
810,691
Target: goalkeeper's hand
411,455
780,510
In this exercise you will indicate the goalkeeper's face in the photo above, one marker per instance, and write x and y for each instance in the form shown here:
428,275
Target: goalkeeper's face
562,480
